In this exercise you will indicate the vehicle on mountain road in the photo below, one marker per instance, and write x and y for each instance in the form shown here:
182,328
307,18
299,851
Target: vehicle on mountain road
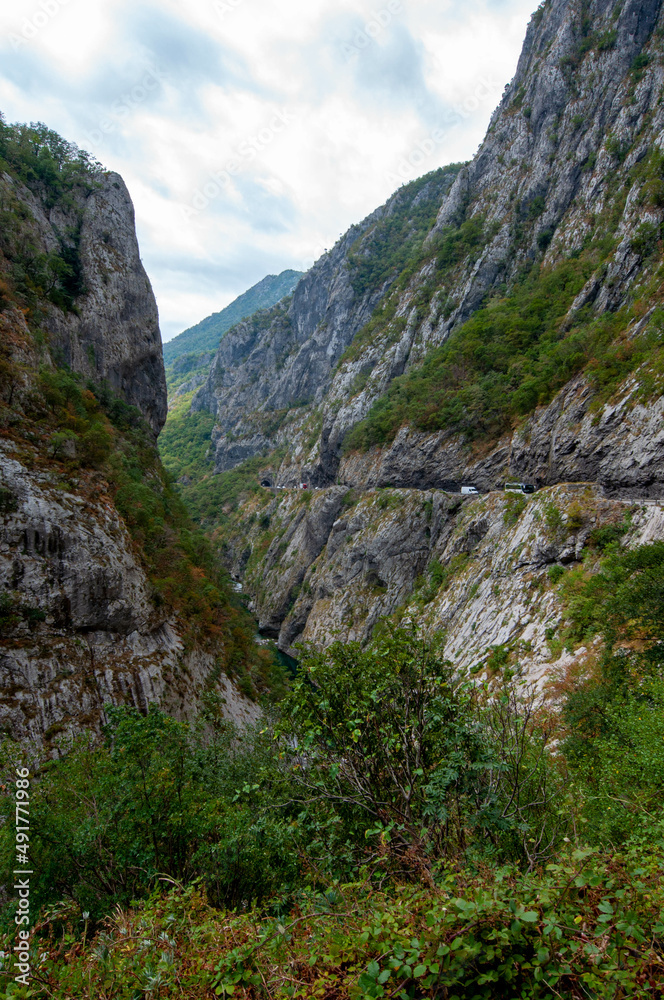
525,488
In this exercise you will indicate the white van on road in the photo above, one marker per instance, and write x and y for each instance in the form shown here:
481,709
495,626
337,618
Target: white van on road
469,491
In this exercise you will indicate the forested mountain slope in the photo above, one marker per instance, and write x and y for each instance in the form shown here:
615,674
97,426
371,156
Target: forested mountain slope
188,356
549,240
499,319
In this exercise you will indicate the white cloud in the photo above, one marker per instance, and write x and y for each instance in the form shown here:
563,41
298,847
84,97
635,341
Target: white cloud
316,106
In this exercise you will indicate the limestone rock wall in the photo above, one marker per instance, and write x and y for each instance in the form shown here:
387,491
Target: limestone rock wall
578,117
113,334
286,358
619,446
81,626
88,632
476,568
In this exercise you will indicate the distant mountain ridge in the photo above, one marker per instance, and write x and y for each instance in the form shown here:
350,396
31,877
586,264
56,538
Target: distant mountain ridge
205,336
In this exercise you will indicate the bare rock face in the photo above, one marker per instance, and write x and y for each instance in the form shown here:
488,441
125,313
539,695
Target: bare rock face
620,447
580,115
113,335
81,625
87,632
285,358
77,566
484,570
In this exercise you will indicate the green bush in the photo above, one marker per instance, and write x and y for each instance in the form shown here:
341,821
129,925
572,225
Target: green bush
514,508
623,602
607,535
156,798
638,67
622,771
646,239
606,40
46,162
8,501
616,716
392,740
555,526
555,574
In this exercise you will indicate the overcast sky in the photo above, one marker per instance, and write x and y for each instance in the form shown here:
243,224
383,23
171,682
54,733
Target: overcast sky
251,134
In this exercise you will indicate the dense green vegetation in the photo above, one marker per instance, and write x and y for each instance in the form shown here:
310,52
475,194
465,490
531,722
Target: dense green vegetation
393,831
506,359
394,243
211,499
616,719
589,927
184,443
158,798
45,162
205,336
59,174
186,451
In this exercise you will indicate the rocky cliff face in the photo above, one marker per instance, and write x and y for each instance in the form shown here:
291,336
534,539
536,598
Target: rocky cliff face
570,176
93,548
112,334
328,565
85,631
284,359
619,446
561,156
572,125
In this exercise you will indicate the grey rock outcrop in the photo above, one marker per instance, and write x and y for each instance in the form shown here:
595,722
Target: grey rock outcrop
81,624
475,568
89,633
113,335
285,358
